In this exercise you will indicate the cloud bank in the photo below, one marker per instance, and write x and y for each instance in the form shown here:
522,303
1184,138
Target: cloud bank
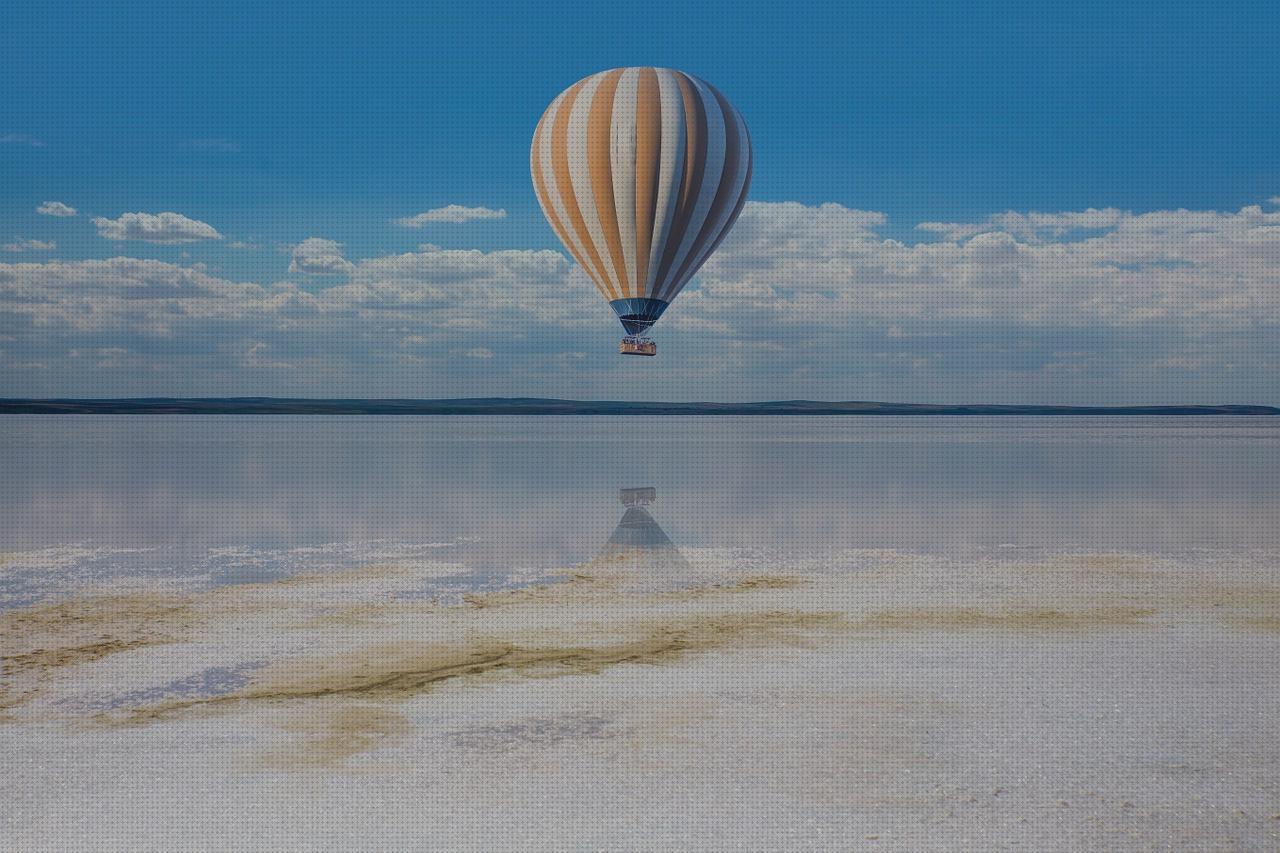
317,256
455,214
1092,306
163,228
21,244
56,208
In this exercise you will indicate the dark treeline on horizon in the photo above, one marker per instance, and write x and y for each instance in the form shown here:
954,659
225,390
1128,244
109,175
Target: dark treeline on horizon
539,406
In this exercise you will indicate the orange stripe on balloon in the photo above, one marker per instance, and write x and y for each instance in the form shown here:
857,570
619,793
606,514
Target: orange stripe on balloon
599,163
548,206
564,182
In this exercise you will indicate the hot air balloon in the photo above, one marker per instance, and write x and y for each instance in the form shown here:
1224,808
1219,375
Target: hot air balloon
641,173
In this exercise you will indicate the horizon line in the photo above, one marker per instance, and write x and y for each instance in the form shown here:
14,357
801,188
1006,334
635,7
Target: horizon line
563,406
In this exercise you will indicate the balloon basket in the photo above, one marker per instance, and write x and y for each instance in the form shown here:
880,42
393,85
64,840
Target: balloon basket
632,345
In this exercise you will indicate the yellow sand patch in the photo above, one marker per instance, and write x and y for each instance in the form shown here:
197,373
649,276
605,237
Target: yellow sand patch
366,614
768,582
1264,624
36,641
1030,619
83,630
329,736
69,655
1096,566
398,670
363,573
1236,596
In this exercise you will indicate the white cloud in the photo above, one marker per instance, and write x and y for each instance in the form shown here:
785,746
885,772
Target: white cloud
799,301
479,352
114,357
20,244
447,296
256,354
1197,269
1030,226
56,208
317,256
21,139
954,230
165,228
992,260
452,213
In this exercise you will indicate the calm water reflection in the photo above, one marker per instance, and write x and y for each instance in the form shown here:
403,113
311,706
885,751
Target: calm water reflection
639,541
257,496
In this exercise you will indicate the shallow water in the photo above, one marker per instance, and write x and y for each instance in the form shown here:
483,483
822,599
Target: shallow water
236,499
922,633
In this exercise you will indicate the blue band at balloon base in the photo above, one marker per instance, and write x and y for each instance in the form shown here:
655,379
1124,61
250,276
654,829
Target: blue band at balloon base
637,314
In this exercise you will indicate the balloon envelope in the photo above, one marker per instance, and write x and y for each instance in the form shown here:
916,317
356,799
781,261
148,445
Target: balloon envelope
641,172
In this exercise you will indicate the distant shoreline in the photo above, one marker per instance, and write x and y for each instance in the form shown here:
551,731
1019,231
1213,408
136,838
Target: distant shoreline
539,406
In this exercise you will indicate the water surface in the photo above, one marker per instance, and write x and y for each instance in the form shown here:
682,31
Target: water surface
238,498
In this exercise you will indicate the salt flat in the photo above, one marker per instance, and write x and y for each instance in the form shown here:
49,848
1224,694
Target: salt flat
1074,701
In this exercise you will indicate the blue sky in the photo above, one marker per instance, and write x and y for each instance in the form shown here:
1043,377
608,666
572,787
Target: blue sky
329,121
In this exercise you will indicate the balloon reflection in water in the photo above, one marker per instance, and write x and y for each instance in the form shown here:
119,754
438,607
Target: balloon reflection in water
638,542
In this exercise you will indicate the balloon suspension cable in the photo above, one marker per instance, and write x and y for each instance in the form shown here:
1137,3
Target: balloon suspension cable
638,329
